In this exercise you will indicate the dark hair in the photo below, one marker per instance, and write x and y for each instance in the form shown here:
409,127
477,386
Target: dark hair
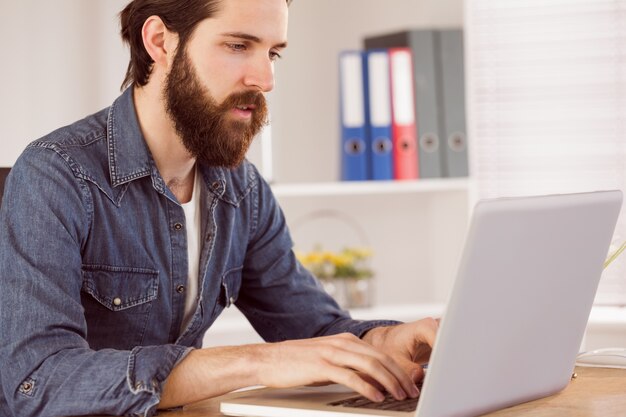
180,17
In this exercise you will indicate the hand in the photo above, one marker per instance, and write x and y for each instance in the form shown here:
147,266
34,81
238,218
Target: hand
408,344
387,358
343,359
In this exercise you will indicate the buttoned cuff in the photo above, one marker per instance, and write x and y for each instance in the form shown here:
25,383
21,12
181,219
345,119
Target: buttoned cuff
148,368
360,327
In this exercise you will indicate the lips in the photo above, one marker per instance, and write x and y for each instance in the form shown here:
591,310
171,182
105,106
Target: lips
244,111
245,106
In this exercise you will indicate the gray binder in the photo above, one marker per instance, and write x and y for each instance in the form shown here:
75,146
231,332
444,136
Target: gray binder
453,99
439,97
427,106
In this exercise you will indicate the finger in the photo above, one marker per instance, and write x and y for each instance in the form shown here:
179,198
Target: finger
372,367
420,345
354,381
415,371
372,381
427,330
422,353
320,384
378,366
400,374
357,345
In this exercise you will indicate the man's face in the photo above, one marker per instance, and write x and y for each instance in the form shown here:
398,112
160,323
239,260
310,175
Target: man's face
215,89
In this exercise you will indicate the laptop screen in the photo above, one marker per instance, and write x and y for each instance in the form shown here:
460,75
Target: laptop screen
3,176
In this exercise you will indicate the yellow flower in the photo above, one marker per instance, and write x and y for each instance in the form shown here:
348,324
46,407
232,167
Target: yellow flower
341,260
348,263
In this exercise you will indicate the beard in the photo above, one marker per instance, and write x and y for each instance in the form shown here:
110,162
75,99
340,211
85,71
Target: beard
204,126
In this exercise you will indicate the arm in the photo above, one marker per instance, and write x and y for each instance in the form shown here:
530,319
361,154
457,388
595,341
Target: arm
343,359
281,299
324,352
46,365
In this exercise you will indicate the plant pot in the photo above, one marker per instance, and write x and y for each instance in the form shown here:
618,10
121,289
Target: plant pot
350,292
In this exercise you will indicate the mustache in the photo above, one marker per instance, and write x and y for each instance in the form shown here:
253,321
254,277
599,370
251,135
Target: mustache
255,98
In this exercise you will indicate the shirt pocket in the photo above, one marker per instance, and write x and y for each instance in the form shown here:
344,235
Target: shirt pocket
117,302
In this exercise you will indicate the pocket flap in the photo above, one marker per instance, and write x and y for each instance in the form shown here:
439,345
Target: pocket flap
119,288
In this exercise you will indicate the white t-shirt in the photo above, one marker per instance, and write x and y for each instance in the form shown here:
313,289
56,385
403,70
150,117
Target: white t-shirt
192,223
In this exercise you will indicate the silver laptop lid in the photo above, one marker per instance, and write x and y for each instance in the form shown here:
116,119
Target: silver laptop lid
521,301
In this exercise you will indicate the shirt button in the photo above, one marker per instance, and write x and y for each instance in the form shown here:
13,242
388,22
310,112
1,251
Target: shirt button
117,301
26,387
178,226
180,289
232,300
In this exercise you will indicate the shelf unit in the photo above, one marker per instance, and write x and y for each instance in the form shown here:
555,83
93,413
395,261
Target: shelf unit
304,104
415,228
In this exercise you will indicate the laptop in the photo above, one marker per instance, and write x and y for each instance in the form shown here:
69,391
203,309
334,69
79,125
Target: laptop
514,321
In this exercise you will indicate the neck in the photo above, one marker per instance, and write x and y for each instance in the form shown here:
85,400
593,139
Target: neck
172,159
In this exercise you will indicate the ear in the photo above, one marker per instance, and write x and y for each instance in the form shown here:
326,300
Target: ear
159,42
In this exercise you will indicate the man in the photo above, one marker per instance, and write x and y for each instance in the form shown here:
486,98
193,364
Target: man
126,234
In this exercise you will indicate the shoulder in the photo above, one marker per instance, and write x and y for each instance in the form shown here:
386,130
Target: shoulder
78,134
80,145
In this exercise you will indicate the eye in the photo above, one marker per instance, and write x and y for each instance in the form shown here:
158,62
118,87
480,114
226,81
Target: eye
237,47
275,55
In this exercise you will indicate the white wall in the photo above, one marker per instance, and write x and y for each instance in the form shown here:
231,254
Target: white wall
61,60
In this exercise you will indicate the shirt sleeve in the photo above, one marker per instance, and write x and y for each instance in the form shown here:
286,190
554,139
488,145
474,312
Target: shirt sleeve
46,365
281,299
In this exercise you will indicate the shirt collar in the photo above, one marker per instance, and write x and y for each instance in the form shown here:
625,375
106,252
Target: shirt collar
130,158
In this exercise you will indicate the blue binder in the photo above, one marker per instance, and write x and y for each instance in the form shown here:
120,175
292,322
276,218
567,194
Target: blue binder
353,118
378,111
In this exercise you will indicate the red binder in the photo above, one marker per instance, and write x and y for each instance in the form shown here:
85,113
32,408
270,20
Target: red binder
404,129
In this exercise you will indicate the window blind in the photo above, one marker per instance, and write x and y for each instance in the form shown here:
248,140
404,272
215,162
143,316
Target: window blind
546,88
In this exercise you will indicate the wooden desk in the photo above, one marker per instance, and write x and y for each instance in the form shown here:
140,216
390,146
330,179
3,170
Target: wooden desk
597,392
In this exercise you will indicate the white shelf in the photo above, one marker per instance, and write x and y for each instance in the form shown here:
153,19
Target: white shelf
232,328
370,187
231,320
608,317
606,326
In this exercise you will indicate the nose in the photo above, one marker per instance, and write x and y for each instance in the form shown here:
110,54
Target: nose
260,74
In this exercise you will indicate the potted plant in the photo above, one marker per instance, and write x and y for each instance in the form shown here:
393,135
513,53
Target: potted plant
345,274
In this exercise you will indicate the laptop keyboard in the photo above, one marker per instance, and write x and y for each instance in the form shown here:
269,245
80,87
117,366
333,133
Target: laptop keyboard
390,403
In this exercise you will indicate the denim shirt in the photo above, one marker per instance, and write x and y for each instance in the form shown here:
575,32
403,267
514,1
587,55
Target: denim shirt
93,259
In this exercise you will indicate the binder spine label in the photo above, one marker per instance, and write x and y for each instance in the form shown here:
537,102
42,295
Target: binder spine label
403,101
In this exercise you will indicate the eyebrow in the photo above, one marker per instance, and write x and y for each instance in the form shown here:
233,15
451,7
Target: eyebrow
252,38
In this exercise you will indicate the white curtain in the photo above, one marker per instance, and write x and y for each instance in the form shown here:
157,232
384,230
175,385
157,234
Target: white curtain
546,88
